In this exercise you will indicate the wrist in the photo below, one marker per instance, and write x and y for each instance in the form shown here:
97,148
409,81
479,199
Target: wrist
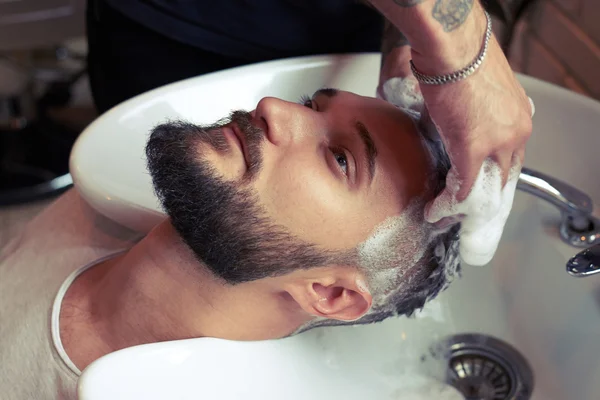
445,44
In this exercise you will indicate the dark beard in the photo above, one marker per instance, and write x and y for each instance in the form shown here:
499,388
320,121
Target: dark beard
220,221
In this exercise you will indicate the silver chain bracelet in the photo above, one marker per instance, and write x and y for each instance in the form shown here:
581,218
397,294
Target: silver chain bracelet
463,73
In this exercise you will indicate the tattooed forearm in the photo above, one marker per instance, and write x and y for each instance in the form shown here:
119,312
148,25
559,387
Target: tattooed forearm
392,38
408,3
451,13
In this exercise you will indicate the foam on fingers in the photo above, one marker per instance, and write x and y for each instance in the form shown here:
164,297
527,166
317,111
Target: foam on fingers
484,211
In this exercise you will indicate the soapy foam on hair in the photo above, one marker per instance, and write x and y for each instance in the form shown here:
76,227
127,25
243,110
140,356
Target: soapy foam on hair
397,243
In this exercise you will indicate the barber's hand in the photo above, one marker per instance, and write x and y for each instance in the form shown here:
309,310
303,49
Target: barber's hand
486,115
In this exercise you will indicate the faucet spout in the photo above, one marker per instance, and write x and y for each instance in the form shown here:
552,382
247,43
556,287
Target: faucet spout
579,228
567,198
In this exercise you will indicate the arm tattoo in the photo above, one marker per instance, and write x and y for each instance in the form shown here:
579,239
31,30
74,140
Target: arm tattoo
392,38
452,13
407,3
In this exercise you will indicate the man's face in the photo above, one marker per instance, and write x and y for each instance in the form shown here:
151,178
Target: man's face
287,184
332,168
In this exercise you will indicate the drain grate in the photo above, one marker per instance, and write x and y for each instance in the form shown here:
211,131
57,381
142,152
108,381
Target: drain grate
484,368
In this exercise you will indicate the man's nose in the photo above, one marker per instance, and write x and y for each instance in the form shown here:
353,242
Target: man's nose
280,119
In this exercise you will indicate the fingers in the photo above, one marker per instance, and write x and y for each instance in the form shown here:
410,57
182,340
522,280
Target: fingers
504,162
519,156
449,221
467,170
441,209
444,208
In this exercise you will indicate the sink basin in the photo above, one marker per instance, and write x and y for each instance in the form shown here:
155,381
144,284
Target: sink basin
524,297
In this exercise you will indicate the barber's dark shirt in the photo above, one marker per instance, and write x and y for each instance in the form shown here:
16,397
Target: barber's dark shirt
261,29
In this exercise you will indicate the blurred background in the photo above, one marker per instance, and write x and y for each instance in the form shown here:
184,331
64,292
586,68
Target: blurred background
45,99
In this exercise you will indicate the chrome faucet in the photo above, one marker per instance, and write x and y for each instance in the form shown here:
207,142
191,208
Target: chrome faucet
578,228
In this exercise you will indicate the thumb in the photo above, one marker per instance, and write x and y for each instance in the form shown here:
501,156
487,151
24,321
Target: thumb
445,204
442,209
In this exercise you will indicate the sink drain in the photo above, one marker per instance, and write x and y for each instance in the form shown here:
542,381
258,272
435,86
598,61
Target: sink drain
484,368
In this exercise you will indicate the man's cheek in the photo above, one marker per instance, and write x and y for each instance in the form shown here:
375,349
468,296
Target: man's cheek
314,208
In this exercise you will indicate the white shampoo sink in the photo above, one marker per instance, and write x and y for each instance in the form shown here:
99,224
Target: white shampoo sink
524,297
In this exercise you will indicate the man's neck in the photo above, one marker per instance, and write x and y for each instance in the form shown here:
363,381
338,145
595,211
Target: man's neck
158,292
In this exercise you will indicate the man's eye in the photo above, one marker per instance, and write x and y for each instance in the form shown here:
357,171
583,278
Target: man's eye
306,101
341,159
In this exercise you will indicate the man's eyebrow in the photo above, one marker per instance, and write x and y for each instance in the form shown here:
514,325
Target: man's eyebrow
362,131
327,92
369,146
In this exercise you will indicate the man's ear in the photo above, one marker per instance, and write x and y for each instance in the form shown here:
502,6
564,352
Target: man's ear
341,295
